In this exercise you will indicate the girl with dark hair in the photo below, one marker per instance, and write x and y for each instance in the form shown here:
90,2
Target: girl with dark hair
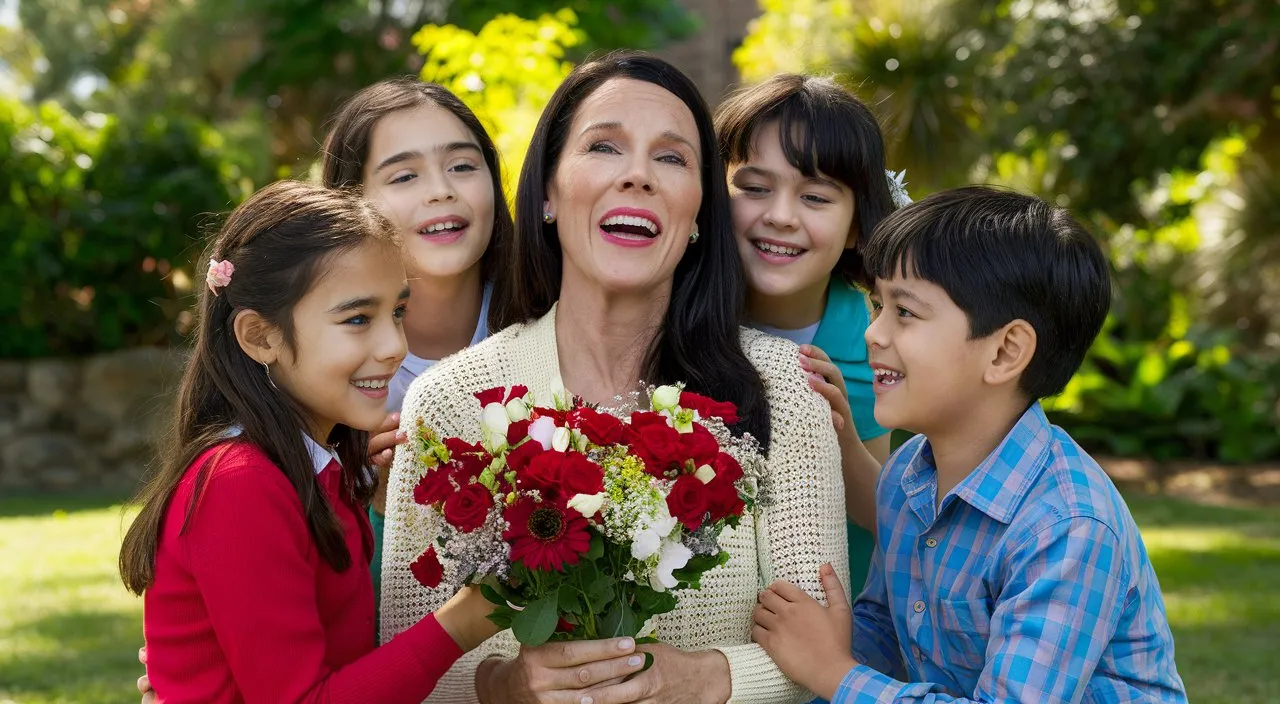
252,545
625,271
807,178
421,156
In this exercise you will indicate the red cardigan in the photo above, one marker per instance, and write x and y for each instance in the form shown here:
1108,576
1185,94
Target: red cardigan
244,609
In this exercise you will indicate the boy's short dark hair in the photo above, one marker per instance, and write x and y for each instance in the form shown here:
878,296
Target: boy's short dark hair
1003,256
824,128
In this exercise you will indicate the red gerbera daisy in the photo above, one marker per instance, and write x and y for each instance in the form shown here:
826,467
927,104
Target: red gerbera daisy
545,535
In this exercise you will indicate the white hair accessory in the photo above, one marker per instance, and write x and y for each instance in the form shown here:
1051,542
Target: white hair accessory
898,187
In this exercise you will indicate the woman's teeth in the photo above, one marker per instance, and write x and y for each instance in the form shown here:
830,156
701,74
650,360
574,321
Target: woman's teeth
630,225
371,383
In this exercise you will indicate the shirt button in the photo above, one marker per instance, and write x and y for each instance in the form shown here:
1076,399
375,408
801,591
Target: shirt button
931,542
919,607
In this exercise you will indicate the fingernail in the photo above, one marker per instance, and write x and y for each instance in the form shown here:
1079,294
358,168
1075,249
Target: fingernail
586,700
815,378
626,644
635,660
401,435
396,416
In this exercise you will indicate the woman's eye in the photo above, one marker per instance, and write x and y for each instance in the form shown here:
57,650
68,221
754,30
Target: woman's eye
674,159
602,148
357,320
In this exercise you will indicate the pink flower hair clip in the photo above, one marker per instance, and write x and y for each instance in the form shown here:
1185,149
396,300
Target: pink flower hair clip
219,274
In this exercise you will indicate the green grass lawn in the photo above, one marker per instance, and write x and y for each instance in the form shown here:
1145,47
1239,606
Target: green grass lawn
70,633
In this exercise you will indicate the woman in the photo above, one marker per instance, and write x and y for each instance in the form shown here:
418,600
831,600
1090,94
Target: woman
624,268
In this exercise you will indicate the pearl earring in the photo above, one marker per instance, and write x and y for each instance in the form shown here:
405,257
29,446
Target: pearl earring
693,237
547,217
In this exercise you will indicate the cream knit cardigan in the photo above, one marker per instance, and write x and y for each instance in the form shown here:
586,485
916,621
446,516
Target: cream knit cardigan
790,539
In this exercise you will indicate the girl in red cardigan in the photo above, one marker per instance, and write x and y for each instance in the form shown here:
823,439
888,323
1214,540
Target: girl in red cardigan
252,546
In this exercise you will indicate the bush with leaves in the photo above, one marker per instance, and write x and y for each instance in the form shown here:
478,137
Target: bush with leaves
102,221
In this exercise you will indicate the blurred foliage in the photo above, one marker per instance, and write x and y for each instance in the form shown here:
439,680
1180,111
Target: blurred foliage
99,218
1156,122
287,63
506,73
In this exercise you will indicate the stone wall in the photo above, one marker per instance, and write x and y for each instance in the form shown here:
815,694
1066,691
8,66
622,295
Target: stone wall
84,424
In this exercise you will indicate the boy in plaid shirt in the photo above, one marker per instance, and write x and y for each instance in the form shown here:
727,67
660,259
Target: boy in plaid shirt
1007,566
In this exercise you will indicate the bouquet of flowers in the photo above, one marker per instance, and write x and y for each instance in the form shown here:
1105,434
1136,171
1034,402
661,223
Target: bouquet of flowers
580,524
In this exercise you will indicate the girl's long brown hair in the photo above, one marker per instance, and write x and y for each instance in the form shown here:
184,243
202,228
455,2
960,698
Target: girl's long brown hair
280,241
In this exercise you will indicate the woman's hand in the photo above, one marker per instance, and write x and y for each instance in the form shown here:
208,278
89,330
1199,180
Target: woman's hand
676,677
382,449
808,641
557,673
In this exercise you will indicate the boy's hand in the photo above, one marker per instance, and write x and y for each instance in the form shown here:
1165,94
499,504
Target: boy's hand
809,642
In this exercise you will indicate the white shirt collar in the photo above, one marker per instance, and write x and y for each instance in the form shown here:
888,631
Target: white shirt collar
320,455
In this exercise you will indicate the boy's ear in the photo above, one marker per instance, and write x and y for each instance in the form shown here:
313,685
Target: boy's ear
259,339
1014,347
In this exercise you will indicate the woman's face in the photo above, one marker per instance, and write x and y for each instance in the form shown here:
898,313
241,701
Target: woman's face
626,190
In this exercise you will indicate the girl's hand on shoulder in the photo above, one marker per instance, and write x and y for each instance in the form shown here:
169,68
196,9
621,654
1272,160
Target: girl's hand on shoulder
383,441
826,379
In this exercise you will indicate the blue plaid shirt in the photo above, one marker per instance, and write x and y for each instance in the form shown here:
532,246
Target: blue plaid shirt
1029,583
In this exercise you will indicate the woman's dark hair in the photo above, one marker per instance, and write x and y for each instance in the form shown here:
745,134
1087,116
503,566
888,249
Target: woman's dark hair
1005,256
824,129
280,241
699,341
346,147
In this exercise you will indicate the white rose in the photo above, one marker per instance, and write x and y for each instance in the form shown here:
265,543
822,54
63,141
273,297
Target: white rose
665,398
494,420
517,410
587,504
541,431
664,522
560,439
705,474
673,557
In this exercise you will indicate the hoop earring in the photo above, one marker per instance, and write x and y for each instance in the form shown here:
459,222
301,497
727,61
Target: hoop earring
267,369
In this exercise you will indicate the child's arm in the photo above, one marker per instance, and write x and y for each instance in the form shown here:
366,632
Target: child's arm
860,467
811,642
250,552
1058,611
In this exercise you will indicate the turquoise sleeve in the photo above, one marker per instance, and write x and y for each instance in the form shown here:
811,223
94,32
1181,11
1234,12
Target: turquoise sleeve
377,521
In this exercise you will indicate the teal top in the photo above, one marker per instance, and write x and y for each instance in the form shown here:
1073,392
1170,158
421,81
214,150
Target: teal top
841,335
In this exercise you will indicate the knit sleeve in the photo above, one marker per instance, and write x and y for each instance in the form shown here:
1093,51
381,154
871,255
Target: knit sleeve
253,559
803,526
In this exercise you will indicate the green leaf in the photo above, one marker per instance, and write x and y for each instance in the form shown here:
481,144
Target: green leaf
492,595
596,551
655,602
568,599
619,621
537,622
600,593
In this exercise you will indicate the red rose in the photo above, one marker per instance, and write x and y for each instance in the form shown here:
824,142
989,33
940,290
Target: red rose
433,487
709,408
427,569
489,396
467,508
687,501
578,475
699,445
660,448
519,458
517,431
600,428
466,461
727,468
517,391
543,472
723,500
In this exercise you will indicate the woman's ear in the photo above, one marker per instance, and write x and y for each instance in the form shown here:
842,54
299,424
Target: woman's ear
259,339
